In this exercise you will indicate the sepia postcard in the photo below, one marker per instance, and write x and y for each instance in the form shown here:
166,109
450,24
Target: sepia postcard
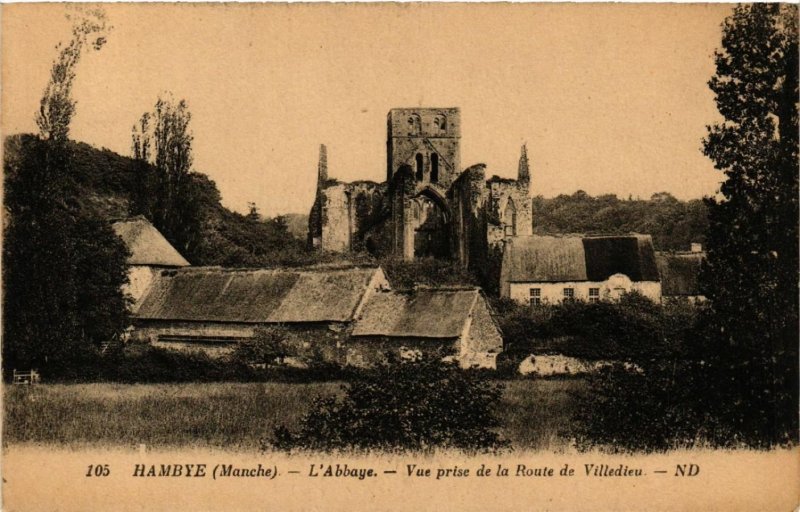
400,256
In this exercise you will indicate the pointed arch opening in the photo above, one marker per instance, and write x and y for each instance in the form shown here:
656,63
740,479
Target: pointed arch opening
510,218
432,228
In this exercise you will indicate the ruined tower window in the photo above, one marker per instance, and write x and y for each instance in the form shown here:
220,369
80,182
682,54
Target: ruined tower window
434,168
414,125
440,122
419,167
510,218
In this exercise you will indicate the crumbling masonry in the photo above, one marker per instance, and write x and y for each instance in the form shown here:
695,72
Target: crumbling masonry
428,206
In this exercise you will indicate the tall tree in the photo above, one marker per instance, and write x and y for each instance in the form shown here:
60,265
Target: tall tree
162,142
751,275
63,269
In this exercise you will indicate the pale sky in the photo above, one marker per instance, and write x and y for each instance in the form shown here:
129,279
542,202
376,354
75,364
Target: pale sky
610,98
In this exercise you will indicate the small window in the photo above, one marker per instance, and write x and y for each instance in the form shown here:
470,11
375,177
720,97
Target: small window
420,165
414,124
594,294
441,123
536,296
435,168
569,294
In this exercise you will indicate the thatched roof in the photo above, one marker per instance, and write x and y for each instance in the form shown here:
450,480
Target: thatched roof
146,244
679,272
213,294
575,258
424,313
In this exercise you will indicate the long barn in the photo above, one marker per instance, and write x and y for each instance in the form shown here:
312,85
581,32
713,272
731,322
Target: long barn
348,314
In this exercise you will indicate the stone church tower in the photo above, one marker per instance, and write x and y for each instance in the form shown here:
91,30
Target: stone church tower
428,206
427,140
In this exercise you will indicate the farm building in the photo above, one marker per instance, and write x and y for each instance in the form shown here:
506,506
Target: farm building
346,314
552,269
150,254
211,308
679,272
456,321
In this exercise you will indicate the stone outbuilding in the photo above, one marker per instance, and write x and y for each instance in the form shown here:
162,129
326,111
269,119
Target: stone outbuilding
552,269
456,322
347,315
213,308
150,253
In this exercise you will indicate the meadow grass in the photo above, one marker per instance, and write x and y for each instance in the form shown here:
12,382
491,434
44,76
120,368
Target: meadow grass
237,416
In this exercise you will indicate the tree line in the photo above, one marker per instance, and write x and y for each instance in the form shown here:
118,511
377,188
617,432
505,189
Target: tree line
674,224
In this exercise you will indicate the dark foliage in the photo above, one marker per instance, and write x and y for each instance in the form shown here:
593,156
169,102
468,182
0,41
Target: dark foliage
642,409
733,380
144,363
673,224
634,329
63,267
415,405
751,275
107,185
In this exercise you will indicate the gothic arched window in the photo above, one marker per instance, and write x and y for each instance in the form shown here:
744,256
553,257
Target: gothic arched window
435,168
510,218
420,167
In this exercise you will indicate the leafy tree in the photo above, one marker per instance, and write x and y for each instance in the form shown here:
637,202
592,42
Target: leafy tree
419,404
63,268
268,346
751,276
732,380
168,193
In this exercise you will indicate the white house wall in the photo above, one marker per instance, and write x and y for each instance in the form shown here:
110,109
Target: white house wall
140,277
553,293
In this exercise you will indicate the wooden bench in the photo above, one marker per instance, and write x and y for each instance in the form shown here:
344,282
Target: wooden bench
26,378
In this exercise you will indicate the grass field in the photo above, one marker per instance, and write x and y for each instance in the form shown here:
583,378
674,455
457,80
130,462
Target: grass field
231,415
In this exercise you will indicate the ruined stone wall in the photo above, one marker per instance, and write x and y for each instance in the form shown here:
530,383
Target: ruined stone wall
401,193
335,215
468,200
368,212
509,210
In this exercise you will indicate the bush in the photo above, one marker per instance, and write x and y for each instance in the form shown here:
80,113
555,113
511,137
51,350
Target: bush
633,330
140,363
624,409
144,363
419,404
267,347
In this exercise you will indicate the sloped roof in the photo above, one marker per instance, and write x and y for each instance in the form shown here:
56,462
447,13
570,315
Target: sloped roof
632,255
424,313
146,244
575,258
679,272
215,294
